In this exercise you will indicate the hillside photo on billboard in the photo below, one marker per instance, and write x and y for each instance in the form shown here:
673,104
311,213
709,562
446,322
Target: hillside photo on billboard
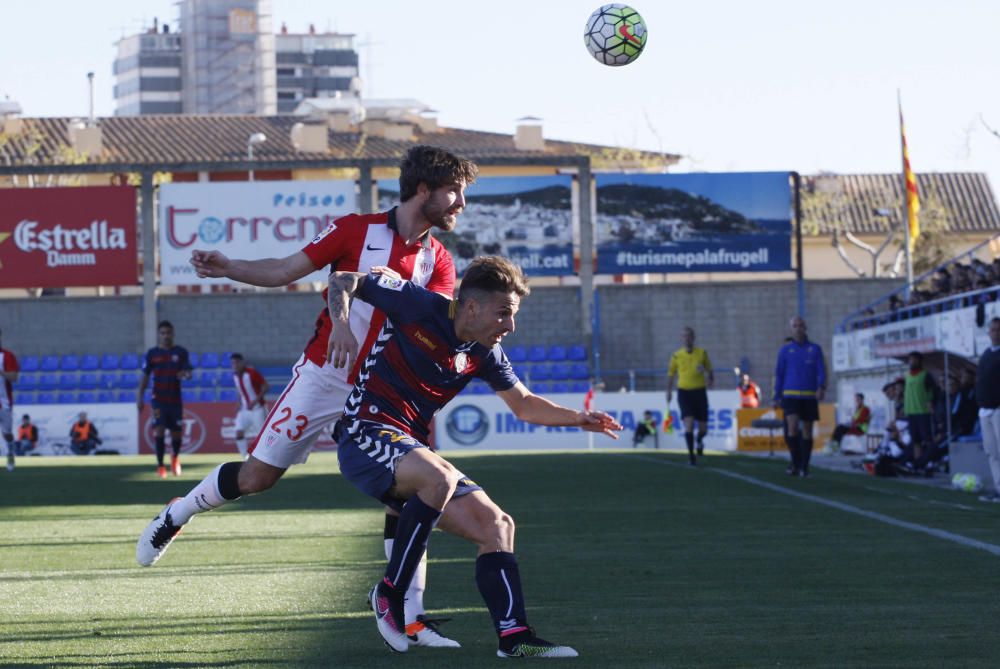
527,219
730,222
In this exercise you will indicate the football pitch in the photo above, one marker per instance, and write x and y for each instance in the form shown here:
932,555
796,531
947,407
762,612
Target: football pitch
633,558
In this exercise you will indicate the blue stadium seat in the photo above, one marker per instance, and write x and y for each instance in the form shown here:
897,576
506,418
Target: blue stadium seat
194,359
579,372
540,388
46,398
29,363
129,361
189,395
209,361
483,389
87,397
557,353
88,381
50,363
560,387
147,396
210,379
580,387
24,398
69,382
48,382
107,381
128,381
577,353
206,396
89,363
227,395
540,373
520,370
66,398
517,354
26,383
110,362
536,354
560,371
69,363
224,362
225,380
106,397
125,396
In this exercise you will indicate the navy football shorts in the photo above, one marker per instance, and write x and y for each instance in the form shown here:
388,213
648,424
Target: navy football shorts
693,403
168,416
368,459
806,408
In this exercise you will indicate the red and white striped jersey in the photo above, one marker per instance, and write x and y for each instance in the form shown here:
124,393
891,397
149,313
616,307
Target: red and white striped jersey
356,243
8,363
249,385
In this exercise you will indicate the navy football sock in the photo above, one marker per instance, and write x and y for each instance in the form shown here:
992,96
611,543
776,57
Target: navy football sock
689,439
414,527
175,444
161,446
805,452
794,449
499,583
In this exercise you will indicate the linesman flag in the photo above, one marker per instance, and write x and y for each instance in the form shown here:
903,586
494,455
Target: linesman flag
910,179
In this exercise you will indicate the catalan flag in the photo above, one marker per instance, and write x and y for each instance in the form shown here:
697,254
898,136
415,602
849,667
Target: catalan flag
910,179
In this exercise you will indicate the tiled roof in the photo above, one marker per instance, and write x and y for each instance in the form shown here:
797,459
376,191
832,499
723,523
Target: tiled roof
957,201
193,138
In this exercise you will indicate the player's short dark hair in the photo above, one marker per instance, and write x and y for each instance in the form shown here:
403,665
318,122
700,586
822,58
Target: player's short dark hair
235,356
492,274
916,354
434,167
25,416
861,395
165,324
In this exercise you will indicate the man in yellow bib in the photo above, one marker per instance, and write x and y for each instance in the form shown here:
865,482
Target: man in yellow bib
693,370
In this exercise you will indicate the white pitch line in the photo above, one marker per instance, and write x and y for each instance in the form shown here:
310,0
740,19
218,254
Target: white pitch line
882,518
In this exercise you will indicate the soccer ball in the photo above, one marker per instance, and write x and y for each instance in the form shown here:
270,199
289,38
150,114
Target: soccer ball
615,34
966,482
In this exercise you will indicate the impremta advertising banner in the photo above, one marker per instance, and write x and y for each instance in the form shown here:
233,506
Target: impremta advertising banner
726,222
247,220
116,425
59,237
527,219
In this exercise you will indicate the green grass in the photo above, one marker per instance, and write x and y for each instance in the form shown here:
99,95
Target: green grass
634,559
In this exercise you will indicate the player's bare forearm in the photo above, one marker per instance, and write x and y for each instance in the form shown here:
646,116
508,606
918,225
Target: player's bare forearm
343,287
267,272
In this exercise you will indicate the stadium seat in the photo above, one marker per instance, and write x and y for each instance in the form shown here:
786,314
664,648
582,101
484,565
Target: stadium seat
227,395
106,397
88,381
560,387
540,373
129,361
68,382
26,383
89,363
224,362
107,381
209,361
189,395
483,389
124,396
24,398
206,396
69,363
194,359
560,371
579,372
225,380
128,381
109,362
521,371
536,354
540,388
577,353
29,363
50,363
87,397
557,353
517,354
66,398
147,396
48,382
579,387
46,398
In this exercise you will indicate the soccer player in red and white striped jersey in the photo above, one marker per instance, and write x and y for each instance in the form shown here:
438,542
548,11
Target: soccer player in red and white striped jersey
432,194
9,371
251,387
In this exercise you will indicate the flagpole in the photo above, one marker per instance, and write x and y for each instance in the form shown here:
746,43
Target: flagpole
907,242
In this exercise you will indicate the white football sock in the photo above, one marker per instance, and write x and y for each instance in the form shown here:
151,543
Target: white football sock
203,497
414,603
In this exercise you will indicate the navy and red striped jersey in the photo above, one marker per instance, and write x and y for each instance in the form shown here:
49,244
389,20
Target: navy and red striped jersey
356,243
417,363
163,365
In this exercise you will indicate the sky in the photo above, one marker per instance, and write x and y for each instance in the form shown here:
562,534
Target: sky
730,85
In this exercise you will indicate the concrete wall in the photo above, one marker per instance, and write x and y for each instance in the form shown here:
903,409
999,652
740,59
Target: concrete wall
639,325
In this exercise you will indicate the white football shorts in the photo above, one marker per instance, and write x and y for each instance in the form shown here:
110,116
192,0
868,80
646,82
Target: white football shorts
249,421
7,420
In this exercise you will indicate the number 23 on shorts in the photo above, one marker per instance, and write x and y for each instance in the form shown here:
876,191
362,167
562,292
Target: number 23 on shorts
301,423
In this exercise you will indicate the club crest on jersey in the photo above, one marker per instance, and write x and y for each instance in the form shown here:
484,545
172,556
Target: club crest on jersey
461,362
426,267
390,282
318,238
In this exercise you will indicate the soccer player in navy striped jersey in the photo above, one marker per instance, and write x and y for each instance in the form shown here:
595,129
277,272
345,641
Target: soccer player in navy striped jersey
168,365
428,350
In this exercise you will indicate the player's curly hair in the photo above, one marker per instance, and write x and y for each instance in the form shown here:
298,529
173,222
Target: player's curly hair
492,274
434,167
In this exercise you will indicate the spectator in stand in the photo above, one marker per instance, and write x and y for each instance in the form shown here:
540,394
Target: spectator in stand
988,397
646,428
27,436
941,283
919,393
859,422
964,409
749,392
83,436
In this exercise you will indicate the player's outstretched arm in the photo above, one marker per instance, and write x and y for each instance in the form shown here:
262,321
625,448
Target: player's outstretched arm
533,408
342,347
266,272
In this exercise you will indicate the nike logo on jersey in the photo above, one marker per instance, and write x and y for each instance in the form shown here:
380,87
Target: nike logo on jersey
372,248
